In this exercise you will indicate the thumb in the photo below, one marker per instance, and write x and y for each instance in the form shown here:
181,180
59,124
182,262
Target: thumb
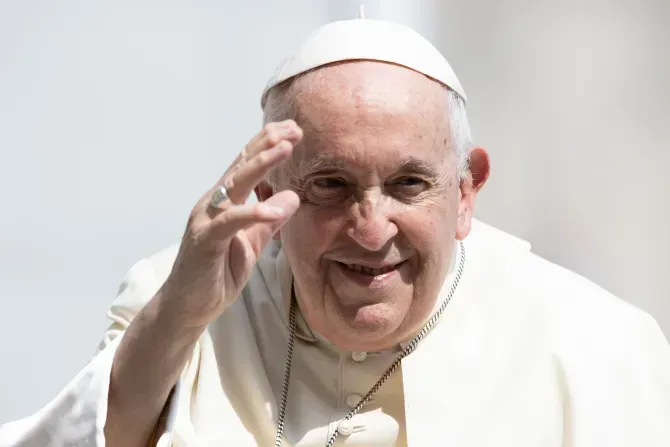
260,233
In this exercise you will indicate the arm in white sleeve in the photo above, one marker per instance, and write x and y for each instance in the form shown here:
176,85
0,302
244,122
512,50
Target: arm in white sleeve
77,415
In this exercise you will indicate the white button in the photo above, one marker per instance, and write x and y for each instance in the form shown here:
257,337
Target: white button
346,427
359,356
353,400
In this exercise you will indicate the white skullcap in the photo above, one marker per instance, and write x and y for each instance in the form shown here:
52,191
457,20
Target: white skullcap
366,39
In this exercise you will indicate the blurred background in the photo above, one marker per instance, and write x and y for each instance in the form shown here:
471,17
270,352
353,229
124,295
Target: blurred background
115,117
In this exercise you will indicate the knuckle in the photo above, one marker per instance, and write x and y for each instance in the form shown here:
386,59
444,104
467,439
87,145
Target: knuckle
220,221
268,129
267,157
285,145
263,158
273,138
229,182
242,157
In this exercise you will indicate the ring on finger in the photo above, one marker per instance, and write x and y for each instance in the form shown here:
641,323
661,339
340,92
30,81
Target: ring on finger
219,196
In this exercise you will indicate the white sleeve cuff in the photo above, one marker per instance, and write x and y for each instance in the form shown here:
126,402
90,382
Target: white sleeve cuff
76,417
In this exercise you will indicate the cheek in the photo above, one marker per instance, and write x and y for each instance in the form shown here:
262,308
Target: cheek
307,235
428,227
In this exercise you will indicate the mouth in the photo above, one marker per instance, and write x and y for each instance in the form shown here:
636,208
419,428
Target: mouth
371,271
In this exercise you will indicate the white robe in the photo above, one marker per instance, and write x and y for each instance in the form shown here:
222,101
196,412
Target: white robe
527,354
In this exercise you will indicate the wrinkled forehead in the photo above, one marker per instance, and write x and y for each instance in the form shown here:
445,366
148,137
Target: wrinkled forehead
367,93
367,113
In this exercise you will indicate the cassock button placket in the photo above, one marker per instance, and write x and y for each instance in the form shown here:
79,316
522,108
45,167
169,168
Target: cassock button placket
396,363
359,357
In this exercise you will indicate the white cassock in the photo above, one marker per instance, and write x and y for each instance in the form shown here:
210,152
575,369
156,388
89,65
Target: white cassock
527,354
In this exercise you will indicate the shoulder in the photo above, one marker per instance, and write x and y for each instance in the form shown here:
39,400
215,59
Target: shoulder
574,309
582,320
163,260
612,358
580,312
154,268
598,338
609,356
141,283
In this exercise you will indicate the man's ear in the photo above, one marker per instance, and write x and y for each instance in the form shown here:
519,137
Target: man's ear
471,183
263,192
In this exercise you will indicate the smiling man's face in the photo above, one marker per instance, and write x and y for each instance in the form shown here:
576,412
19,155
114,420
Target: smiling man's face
377,176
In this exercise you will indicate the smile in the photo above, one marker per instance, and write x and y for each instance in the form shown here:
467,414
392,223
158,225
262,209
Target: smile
370,271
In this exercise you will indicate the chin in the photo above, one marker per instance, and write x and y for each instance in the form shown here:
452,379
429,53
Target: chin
375,319
371,327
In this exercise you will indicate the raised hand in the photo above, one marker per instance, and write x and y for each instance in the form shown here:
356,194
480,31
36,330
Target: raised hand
223,241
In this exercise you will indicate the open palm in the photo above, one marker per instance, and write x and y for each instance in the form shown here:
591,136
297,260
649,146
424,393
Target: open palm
222,243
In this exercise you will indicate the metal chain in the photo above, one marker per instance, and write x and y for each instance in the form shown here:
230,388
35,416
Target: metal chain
287,375
405,352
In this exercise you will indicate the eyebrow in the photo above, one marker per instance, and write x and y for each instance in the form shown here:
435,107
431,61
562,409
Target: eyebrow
325,163
413,164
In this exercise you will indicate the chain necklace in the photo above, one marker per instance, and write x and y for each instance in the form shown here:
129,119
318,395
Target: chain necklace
405,352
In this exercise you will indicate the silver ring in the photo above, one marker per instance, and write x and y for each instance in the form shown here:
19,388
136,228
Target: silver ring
219,195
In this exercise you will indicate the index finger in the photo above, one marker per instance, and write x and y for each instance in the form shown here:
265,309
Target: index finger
251,162
270,136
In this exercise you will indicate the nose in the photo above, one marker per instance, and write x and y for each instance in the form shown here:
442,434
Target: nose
371,226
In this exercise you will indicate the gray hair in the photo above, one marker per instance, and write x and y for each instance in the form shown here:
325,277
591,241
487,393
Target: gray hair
460,130
279,107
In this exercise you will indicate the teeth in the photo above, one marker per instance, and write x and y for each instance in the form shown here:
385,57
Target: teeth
370,271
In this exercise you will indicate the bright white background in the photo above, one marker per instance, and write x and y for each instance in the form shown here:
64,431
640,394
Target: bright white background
115,117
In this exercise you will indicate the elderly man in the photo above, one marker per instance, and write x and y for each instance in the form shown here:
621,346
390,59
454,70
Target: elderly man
358,303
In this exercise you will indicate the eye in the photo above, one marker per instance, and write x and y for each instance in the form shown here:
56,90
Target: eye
329,183
408,186
327,190
409,181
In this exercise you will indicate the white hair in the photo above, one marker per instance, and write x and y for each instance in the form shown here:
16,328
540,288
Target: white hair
461,135
279,107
